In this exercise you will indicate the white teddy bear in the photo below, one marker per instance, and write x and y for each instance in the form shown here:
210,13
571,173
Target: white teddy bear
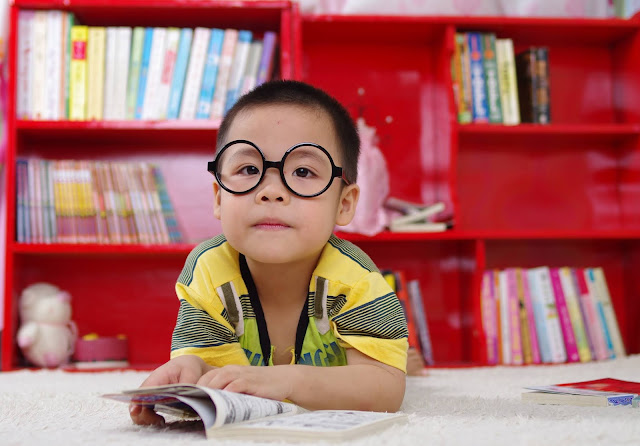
47,335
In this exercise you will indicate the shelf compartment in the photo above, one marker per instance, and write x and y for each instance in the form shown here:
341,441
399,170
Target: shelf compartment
611,133
93,249
143,133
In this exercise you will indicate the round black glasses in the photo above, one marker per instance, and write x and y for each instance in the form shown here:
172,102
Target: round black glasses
306,169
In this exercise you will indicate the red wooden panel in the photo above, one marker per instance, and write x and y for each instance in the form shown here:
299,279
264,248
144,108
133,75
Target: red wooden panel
528,186
413,122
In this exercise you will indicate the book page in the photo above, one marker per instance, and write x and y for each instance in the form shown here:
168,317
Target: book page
237,407
574,391
322,421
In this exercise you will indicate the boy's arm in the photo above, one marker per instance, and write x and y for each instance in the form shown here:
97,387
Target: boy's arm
364,384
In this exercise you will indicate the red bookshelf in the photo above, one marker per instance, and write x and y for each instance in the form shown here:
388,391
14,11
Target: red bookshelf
526,195
529,195
125,289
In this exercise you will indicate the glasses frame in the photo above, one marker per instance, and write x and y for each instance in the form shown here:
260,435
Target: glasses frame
336,172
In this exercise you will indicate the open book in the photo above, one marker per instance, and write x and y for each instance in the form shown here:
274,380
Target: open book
235,415
599,392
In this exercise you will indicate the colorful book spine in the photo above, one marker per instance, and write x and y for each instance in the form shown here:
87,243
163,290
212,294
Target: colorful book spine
20,204
480,110
543,102
415,299
604,297
505,317
527,84
53,63
491,83
575,314
525,335
253,65
110,73
240,60
123,56
513,303
135,60
592,321
224,73
156,61
531,322
570,343
144,71
210,74
195,71
179,73
459,67
600,313
267,59
167,209
540,316
489,317
25,72
166,77
96,46
69,20
508,82
39,65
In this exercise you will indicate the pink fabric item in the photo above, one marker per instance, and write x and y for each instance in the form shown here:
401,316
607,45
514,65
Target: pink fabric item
373,179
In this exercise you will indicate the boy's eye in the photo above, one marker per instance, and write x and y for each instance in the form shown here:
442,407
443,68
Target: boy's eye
302,172
249,170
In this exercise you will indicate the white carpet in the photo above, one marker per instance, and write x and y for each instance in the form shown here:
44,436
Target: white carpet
470,406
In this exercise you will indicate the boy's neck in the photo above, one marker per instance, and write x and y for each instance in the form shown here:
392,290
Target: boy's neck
282,283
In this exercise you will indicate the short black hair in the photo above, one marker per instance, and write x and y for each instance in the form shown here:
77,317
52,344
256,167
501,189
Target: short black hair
302,94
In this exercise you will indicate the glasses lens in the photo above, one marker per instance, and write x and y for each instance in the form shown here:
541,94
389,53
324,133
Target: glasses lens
239,167
307,170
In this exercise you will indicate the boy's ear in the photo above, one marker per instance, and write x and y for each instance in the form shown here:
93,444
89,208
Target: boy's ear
216,200
347,205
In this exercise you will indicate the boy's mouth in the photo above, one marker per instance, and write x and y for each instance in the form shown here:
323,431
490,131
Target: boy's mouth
271,224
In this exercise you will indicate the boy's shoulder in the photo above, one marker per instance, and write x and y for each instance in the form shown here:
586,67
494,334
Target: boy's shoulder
215,254
343,261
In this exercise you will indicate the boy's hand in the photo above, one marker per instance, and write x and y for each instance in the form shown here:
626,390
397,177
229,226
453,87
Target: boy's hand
267,382
181,370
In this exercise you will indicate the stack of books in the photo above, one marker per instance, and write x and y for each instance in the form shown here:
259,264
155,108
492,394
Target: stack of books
77,72
75,201
494,85
548,315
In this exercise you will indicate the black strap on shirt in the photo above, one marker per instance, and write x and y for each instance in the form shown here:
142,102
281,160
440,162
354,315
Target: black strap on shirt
263,333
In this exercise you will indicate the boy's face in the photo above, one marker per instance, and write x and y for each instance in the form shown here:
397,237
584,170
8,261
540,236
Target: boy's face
270,224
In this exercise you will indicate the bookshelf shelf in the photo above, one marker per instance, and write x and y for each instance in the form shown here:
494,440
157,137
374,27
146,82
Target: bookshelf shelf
98,250
556,130
147,133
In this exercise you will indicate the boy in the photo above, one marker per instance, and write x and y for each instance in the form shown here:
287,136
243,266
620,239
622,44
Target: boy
278,288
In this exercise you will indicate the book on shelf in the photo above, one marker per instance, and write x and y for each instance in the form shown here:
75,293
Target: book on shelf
227,415
78,201
532,67
461,78
491,78
421,321
119,72
556,316
416,217
210,74
479,105
599,392
507,82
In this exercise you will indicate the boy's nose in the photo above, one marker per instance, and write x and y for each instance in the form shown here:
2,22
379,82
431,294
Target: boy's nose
272,188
